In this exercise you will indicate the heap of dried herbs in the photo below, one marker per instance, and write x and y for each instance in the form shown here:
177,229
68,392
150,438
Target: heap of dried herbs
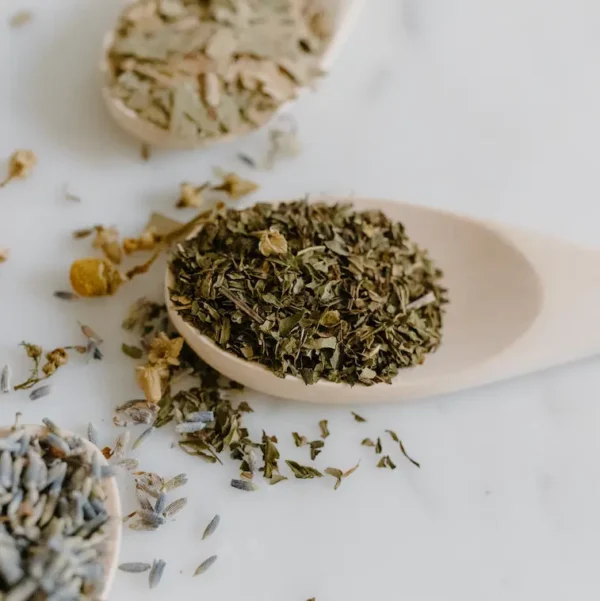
312,290
204,68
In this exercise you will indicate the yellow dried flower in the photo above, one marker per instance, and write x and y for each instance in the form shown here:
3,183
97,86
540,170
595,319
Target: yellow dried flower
58,356
49,368
191,196
147,241
33,350
20,165
165,350
235,187
107,239
149,379
272,242
95,277
4,252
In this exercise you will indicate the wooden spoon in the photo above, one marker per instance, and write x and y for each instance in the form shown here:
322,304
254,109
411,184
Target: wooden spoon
519,302
343,14
113,507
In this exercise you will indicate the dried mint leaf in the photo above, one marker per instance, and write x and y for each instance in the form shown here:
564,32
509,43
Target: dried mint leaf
303,472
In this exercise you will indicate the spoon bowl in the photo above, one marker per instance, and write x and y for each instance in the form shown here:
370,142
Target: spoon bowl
517,303
341,13
113,507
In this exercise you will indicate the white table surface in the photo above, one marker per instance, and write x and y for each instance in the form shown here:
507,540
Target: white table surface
489,108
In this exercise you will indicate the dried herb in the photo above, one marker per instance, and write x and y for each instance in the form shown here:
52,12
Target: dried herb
396,439
299,441
4,254
95,277
385,461
339,475
358,418
324,291
69,195
20,165
323,424
245,485
65,295
205,565
6,379
270,456
367,442
378,447
212,526
156,572
303,472
316,446
132,351
203,70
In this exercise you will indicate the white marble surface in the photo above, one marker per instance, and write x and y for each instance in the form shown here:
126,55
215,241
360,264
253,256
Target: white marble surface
490,108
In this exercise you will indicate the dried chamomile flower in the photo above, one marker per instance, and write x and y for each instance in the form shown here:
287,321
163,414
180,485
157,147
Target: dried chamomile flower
150,379
235,187
107,240
95,277
165,350
4,253
191,196
147,241
54,360
20,165
272,242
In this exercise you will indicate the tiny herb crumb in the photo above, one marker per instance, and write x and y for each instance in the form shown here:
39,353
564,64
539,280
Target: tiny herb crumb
395,438
378,447
132,351
359,418
299,441
340,475
367,442
323,424
303,472
386,461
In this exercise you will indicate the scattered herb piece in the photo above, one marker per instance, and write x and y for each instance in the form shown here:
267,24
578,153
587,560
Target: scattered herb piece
5,379
385,461
323,424
270,456
156,572
303,472
132,351
276,479
146,152
143,437
340,475
69,195
40,392
20,165
316,446
299,441
4,254
378,447
358,418
396,439
212,526
246,485
65,295
175,507
205,565
134,567
367,442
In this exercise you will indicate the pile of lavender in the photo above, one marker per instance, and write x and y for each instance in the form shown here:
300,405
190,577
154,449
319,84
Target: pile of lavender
52,515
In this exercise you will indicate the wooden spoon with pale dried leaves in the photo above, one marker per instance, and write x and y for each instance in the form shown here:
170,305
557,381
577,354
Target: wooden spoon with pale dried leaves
187,73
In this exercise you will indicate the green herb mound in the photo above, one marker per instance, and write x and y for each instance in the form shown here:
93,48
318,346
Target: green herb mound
311,290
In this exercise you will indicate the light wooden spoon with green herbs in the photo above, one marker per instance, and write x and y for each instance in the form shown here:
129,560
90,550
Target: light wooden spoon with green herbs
518,302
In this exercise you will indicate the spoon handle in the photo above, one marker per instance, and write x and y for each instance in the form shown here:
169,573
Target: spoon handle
568,325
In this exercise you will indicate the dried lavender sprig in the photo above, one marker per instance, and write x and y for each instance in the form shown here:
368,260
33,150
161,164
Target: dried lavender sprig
156,572
189,427
175,507
151,518
134,567
40,392
175,482
5,379
212,526
200,416
143,437
205,565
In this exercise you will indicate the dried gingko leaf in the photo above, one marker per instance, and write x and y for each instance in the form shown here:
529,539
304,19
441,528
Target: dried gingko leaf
95,277
20,165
